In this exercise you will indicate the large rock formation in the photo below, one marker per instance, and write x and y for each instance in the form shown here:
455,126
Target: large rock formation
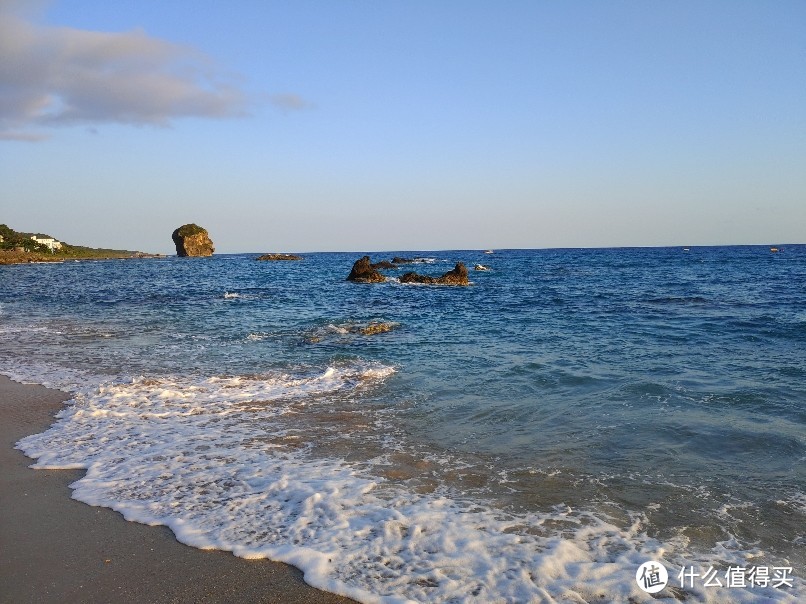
192,240
457,276
363,272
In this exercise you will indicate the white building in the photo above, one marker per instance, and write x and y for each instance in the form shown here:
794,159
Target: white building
51,243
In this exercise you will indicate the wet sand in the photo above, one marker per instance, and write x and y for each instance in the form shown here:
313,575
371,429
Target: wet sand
56,549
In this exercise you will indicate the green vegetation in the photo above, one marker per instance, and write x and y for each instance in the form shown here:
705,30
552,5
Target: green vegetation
187,230
19,247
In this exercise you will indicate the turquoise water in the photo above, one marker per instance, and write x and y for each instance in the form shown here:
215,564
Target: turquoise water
654,397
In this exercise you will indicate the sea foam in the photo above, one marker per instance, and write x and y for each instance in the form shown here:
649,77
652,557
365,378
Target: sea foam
206,457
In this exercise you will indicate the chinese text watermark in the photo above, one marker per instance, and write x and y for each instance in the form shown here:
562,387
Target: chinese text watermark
652,577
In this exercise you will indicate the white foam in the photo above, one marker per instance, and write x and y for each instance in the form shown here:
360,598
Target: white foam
32,371
199,456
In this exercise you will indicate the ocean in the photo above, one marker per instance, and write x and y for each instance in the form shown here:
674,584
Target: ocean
536,436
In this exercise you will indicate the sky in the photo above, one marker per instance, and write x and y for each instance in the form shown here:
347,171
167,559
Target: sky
356,125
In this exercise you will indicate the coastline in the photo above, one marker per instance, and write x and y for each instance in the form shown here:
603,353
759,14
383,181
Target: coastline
56,549
9,257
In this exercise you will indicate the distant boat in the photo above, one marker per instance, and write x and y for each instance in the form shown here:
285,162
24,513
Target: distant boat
685,249
481,267
489,252
774,249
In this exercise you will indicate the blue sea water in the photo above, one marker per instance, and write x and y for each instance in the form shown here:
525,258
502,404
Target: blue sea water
535,436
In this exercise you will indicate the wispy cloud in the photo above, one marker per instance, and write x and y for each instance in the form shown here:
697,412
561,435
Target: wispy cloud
52,76
28,137
289,102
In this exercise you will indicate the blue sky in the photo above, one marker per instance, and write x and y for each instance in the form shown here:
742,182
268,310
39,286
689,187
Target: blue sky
327,125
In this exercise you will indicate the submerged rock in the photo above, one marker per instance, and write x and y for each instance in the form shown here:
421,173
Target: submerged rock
269,257
192,240
348,331
363,272
373,328
457,276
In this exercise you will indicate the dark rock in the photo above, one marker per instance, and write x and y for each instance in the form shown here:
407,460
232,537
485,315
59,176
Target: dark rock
268,257
364,273
383,264
416,278
457,276
192,240
399,260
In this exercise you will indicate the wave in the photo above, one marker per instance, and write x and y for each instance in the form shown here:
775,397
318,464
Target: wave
225,463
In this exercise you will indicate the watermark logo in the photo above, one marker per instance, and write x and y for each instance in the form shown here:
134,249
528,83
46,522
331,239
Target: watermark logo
651,577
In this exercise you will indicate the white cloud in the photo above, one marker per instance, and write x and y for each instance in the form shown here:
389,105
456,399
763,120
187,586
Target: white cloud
53,76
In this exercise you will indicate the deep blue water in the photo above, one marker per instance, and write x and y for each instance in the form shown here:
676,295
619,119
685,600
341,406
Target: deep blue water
651,382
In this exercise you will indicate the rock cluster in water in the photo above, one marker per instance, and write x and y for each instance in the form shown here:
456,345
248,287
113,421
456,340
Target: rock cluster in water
364,271
192,240
271,257
457,276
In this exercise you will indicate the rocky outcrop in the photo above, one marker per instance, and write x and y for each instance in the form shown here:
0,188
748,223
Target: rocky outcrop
271,257
363,272
383,264
192,240
147,255
457,276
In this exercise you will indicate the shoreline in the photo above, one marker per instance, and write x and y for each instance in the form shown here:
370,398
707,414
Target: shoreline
56,549
8,257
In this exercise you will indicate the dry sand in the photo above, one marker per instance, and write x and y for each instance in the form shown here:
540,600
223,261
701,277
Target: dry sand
56,549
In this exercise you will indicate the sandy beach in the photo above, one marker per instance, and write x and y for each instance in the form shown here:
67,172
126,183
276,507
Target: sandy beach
56,549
